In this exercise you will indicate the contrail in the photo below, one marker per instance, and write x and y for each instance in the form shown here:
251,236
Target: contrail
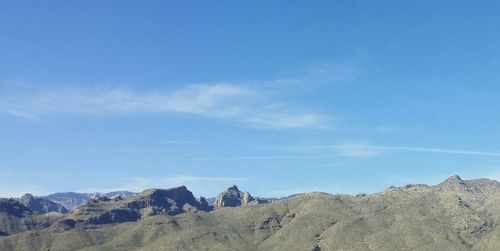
419,149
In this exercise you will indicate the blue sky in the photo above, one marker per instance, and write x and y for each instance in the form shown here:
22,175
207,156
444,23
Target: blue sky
276,97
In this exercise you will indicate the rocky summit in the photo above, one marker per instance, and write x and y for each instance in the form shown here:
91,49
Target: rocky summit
148,203
233,197
453,215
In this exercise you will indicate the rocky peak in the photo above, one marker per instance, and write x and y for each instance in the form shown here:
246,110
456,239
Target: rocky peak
148,203
233,188
233,197
168,201
181,195
454,184
455,179
204,204
27,197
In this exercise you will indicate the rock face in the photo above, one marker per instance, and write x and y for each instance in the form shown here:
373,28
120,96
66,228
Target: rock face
118,215
13,207
454,183
148,203
14,217
204,205
41,205
167,201
233,197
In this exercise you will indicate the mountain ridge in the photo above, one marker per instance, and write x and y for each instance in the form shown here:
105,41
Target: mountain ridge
453,215
71,200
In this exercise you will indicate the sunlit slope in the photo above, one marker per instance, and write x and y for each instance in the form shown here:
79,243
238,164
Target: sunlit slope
455,215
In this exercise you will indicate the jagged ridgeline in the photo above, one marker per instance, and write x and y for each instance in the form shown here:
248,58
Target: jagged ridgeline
454,215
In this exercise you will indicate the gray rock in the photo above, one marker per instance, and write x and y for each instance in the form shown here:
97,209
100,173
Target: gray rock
118,215
233,197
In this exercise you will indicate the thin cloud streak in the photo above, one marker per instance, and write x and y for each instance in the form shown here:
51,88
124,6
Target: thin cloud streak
346,150
375,150
224,101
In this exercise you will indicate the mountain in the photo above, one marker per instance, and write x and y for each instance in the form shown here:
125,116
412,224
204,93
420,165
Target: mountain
41,205
453,215
16,217
148,203
233,197
71,200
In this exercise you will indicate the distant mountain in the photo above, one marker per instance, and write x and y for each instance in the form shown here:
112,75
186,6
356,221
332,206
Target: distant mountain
148,203
71,200
41,205
453,215
15,217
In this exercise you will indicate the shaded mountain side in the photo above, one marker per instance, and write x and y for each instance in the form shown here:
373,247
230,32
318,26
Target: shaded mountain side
41,205
15,218
14,208
148,203
454,215
71,200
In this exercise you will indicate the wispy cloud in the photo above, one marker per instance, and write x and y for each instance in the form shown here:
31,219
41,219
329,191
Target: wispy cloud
358,150
366,150
228,101
179,142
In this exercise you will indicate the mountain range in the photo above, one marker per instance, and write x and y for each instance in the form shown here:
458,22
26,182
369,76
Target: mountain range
453,215
71,200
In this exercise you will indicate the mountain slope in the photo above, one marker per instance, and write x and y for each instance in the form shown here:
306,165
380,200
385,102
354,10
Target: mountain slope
454,215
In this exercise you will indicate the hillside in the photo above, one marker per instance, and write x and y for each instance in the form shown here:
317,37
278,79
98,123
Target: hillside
454,215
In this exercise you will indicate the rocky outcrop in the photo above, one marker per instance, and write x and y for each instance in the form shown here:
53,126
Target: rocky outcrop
167,201
148,203
233,197
41,205
13,207
118,215
204,205
455,184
